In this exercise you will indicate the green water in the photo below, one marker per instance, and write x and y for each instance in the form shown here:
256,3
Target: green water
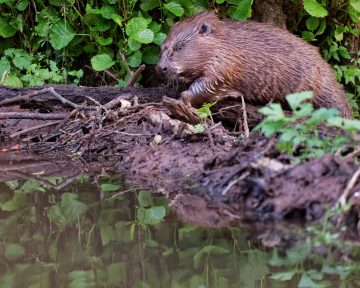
97,232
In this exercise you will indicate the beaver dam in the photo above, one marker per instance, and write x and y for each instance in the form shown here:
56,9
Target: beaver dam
67,145
147,137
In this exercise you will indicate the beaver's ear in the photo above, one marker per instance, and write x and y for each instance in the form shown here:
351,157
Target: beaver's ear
205,29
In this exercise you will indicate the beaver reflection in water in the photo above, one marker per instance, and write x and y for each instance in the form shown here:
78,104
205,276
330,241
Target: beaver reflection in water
218,58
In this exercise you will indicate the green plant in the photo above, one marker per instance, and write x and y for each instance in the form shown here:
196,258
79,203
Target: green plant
299,132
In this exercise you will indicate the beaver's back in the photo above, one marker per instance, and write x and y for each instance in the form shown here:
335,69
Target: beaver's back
272,63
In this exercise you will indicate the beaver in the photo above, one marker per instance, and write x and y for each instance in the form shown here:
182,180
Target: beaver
217,58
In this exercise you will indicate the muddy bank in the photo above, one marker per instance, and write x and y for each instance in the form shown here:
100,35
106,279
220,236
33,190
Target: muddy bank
244,177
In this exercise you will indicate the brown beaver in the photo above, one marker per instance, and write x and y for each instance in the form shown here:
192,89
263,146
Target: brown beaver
218,58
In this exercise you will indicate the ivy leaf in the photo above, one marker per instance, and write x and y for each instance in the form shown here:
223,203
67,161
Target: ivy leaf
102,62
315,9
61,34
355,4
6,30
175,8
145,198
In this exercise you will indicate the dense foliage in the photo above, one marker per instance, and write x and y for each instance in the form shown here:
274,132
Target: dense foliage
61,41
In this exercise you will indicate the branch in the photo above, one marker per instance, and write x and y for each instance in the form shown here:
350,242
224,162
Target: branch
29,115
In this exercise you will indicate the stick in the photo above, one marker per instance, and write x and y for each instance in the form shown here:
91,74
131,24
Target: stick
33,129
67,102
349,187
134,76
26,97
29,115
245,123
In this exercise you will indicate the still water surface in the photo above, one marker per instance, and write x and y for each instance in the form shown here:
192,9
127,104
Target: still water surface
96,232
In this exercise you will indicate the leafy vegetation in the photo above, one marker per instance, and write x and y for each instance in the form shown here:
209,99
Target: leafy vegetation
86,237
303,139
57,41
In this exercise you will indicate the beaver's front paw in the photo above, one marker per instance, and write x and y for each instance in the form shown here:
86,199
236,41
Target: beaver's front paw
186,97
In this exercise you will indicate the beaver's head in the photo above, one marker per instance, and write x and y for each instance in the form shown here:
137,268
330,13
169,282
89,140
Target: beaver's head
188,47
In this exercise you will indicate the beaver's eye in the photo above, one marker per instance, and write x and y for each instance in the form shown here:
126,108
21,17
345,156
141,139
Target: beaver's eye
179,46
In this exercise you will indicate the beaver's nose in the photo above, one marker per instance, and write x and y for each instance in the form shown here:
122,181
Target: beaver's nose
160,68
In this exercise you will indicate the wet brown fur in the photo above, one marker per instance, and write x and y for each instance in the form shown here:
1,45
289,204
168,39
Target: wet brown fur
219,58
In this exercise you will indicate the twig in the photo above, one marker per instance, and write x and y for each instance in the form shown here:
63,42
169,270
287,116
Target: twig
67,102
134,76
111,104
106,71
33,128
349,187
26,97
353,154
50,90
29,115
245,123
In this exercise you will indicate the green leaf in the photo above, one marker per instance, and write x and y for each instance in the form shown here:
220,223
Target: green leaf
13,81
103,41
145,199
198,128
151,55
175,8
18,201
307,282
355,4
117,19
344,52
283,276
296,99
145,36
151,215
22,5
274,111
22,59
6,30
4,66
68,211
312,23
14,251
133,44
209,249
134,60
102,62
315,9
147,5
155,27
61,34
308,36
242,11
159,38
135,25
109,187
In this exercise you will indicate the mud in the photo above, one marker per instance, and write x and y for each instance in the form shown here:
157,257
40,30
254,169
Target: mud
240,179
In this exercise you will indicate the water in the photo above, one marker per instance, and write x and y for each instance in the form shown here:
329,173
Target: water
98,232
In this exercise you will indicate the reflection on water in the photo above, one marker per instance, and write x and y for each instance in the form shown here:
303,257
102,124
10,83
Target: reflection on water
99,233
